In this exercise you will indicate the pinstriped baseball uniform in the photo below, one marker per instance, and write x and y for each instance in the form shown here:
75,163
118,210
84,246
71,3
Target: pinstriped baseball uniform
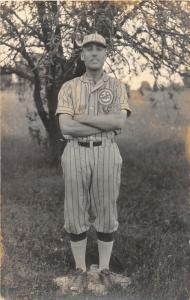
91,175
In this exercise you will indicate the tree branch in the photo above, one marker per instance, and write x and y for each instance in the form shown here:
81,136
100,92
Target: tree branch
134,11
26,25
42,17
22,48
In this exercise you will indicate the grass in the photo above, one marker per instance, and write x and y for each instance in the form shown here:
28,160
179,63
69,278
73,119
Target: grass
152,243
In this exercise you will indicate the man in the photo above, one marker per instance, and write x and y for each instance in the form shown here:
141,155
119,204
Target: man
92,109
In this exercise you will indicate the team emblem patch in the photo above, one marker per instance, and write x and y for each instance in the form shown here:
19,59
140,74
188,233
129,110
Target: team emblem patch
105,97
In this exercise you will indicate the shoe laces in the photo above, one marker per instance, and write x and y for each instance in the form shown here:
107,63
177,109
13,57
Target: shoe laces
79,271
105,271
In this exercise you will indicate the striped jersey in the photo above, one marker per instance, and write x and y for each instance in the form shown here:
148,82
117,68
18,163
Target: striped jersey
82,96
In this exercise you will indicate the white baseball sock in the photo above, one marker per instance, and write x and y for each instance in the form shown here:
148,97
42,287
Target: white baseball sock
104,249
79,253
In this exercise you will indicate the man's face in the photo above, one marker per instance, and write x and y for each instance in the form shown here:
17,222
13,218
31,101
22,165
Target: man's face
93,56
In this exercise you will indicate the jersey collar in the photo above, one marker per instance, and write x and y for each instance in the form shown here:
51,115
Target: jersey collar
84,78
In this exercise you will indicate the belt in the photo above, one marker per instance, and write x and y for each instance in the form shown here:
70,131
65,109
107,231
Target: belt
88,144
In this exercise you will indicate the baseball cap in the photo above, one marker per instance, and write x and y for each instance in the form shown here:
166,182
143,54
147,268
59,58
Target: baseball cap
94,38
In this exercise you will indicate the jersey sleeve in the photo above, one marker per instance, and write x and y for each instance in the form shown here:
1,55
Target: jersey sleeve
65,101
123,98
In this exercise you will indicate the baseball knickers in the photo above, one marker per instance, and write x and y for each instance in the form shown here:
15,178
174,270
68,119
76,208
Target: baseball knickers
92,182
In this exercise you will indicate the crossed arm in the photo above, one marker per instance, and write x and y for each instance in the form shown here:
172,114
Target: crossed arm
86,125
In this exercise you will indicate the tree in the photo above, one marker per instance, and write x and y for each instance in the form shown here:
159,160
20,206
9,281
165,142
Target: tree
47,36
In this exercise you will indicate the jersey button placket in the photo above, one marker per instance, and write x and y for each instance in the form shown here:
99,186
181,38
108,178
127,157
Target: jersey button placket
90,105
91,113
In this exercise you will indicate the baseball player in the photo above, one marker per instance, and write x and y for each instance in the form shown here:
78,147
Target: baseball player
92,109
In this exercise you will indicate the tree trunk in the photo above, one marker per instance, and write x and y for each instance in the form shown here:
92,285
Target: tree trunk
39,104
50,122
56,142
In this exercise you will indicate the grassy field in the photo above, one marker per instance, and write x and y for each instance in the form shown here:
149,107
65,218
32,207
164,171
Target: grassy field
152,245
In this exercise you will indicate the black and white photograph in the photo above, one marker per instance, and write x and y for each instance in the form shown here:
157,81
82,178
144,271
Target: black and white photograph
95,150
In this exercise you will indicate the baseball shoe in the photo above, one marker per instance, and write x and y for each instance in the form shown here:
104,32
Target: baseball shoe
78,282
111,279
74,283
94,283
